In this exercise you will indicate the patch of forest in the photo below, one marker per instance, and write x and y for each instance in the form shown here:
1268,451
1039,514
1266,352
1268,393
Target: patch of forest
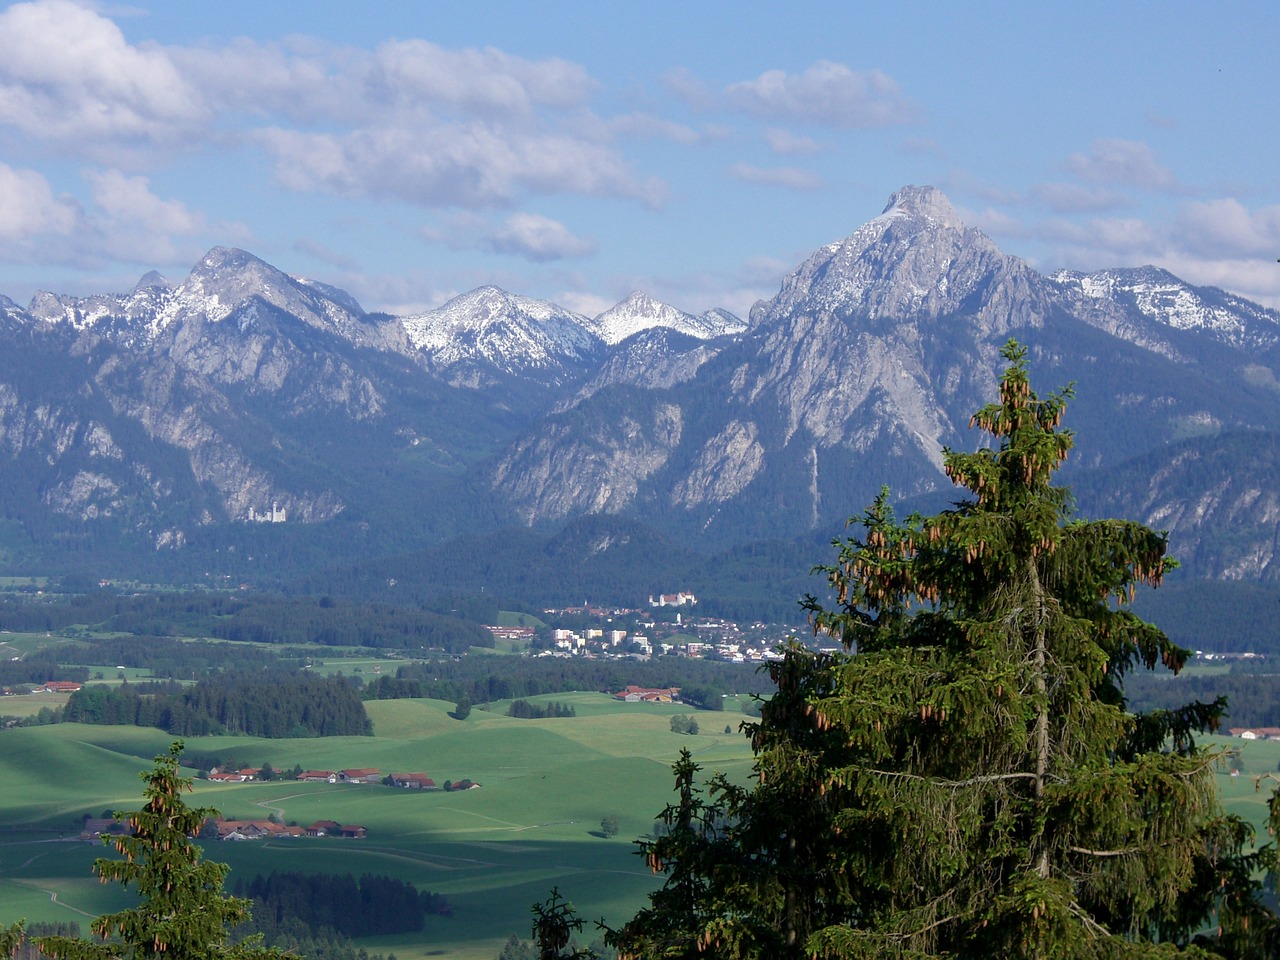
1253,699
702,683
40,666
271,705
524,710
260,618
370,906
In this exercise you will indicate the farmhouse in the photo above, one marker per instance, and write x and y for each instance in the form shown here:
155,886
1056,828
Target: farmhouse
331,828
361,775
61,686
1256,733
95,827
254,829
413,781
318,776
634,694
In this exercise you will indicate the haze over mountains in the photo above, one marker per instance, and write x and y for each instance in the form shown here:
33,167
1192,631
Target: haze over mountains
180,414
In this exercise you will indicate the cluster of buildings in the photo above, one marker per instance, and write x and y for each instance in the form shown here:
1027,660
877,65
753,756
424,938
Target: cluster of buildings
621,632
719,639
276,514
634,694
408,781
1256,733
266,829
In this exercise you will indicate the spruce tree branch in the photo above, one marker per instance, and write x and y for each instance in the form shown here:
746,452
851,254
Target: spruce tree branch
1124,852
971,781
1092,925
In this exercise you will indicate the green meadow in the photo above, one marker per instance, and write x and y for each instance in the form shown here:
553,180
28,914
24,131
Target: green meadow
533,824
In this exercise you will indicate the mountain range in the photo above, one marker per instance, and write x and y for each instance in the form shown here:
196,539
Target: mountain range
243,412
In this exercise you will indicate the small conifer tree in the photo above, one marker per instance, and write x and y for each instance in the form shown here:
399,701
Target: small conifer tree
183,913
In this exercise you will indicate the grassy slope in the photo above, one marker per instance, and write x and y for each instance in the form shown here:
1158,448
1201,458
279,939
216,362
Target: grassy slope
493,851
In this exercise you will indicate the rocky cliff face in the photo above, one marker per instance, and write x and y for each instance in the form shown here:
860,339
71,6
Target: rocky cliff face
871,359
242,394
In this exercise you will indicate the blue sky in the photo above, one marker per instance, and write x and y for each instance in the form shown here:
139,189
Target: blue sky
575,152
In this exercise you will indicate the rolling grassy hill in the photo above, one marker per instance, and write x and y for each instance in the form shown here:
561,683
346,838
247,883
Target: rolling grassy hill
533,824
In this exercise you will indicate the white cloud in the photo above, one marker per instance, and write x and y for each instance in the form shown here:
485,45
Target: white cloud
538,238
587,304
126,222
1225,228
125,199
826,93
68,74
471,164
485,81
787,143
29,211
409,120
1128,163
792,178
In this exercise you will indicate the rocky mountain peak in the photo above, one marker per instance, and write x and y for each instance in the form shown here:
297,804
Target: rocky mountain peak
152,280
230,281
915,261
924,203
229,276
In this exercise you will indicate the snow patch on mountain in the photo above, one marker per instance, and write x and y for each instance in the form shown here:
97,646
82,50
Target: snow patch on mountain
507,332
640,312
1162,300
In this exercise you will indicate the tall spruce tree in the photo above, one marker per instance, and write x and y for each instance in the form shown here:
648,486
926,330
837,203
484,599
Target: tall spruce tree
183,913
966,781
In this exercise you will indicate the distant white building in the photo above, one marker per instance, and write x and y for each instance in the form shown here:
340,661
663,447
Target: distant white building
275,515
673,600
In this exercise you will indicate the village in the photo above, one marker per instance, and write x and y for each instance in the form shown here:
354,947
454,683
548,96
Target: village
666,627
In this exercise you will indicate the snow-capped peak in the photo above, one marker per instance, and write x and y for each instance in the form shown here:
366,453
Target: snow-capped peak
502,330
227,278
1164,301
640,312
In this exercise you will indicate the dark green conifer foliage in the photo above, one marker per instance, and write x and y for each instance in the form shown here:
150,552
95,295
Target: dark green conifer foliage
967,783
183,913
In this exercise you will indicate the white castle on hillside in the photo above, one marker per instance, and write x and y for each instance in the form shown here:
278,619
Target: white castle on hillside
275,515
673,600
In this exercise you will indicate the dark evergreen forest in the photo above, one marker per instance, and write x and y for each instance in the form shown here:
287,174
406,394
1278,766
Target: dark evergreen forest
276,705
259,618
368,907
483,680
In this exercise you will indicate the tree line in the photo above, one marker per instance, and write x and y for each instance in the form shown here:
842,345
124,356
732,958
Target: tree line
525,710
366,907
272,706
277,620
486,679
